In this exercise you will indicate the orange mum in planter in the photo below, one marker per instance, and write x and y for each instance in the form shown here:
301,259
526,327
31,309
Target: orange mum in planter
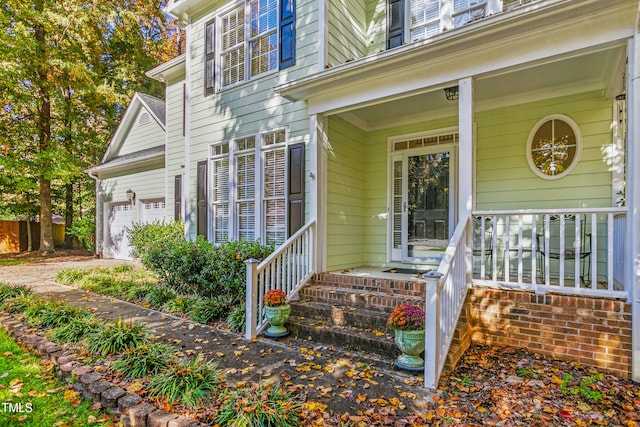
407,317
274,298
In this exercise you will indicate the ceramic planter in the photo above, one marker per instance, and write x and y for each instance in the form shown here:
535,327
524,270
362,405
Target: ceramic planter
411,344
277,317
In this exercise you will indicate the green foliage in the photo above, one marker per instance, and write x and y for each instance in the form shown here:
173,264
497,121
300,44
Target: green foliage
144,360
181,304
158,296
585,389
237,319
194,267
53,314
260,405
20,303
187,382
76,329
84,230
119,281
8,291
206,310
147,239
117,337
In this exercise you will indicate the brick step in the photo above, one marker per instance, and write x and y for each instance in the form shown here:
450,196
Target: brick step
357,298
414,286
341,316
350,338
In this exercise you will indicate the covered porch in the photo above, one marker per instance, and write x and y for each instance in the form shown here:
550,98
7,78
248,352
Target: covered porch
451,156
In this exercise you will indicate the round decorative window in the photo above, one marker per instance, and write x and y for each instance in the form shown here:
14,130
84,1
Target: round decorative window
554,147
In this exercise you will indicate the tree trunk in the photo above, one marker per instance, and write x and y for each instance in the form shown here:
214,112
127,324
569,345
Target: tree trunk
46,223
68,216
29,236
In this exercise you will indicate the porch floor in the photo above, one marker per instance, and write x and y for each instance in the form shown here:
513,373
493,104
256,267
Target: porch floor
369,272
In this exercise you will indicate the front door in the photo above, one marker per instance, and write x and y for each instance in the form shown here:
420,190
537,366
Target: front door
421,205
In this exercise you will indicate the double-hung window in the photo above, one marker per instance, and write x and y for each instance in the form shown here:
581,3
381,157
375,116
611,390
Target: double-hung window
413,20
254,38
248,188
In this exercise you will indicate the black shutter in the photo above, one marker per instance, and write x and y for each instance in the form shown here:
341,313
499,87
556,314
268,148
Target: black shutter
395,23
202,198
210,58
177,192
296,180
287,33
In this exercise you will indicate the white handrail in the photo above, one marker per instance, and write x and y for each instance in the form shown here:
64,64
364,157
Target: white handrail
446,291
288,268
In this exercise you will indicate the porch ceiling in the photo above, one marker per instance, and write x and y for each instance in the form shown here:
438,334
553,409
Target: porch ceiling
601,70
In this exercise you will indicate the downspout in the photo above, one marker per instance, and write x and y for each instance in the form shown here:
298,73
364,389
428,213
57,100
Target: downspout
99,213
186,182
633,195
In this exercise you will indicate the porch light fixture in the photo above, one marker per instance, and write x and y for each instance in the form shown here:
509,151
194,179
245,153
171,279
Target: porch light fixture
451,93
131,196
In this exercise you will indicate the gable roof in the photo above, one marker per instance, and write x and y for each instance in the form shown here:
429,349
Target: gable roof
154,106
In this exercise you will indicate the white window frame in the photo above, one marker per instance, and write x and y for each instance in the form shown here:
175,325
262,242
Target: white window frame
446,16
233,153
248,40
578,150
393,155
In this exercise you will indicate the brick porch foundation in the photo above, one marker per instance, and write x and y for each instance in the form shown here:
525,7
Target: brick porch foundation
592,331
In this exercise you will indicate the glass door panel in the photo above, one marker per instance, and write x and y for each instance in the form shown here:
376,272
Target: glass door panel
427,198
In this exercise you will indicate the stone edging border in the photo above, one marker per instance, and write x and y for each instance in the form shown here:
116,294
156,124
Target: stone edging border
132,410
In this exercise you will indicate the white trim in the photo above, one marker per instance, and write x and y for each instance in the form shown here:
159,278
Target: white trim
323,35
402,155
186,180
632,243
258,152
578,135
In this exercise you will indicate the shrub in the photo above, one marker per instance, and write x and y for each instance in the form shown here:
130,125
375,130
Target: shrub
237,318
206,310
158,296
144,360
145,238
8,291
194,267
76,330
84,230
181,304
187,382
260,405
138,292
117,337
69,276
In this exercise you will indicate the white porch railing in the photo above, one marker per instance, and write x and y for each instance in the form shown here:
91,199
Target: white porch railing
579,251
288,268
446,291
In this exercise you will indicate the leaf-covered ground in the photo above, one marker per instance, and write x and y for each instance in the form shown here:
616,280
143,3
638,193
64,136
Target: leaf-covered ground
513,387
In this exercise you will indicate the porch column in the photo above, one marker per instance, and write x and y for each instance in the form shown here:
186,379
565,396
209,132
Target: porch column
465,151
632,245
317,179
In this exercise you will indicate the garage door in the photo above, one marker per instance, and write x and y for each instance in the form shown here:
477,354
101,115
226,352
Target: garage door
118,218
153,210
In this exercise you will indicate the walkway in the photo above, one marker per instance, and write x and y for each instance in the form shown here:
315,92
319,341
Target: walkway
344,381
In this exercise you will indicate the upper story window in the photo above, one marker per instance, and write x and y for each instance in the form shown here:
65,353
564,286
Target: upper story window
413,20
254,38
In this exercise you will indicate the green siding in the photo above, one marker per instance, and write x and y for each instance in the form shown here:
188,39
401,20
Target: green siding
504,179
142,136
345,195
251,106
175,141
357,208
357,28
